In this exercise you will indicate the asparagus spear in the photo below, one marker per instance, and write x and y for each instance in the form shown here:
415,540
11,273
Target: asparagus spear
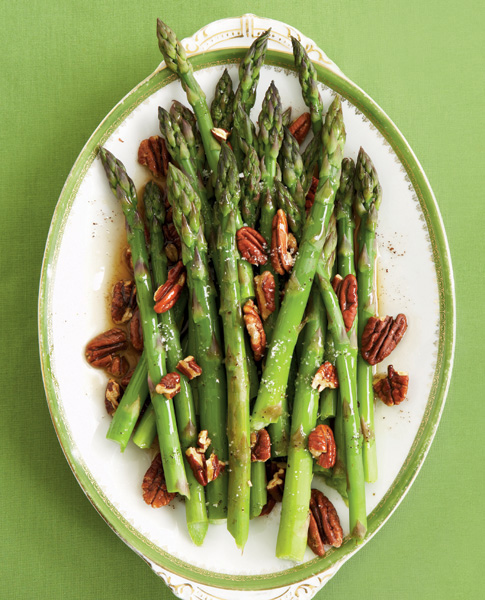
180,153
196,513
292,168
249,163
146,429
203,318
250,192
124,188
249,69
310,158
176,60
222,107
128,411
368,196
259,495
345,222
227,198
186,118
292,533
294,213
309,85
345,352
268,405
345,265
269,141
286,117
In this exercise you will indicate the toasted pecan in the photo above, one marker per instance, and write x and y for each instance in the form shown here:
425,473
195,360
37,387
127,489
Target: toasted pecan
254,326
252,246
169,385
391,388
325,377
188,367
321,445
324,527
123,301
260,446
265,293
300,127
153,153
167,294
381,336
101,352
283,244
154,487
346,291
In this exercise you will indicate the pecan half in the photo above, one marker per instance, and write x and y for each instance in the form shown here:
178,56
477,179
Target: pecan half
112,396
188,367
346,291
101,352
392,388
123,301
260,446
281,244
265,293
254,325
214,467
154,486
169,385
381,336
204,470
220,134
153,153
324,525
300,127
136,332
252,246
310,197
167,294
321,445
325,377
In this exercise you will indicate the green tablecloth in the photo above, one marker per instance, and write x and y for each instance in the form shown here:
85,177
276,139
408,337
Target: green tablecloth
63,67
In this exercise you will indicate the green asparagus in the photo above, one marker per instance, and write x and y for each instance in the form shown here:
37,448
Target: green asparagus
172,459
211,384
196,513
347,390
176,60
249,69
292,533
222,107
309,85
368,196
227,200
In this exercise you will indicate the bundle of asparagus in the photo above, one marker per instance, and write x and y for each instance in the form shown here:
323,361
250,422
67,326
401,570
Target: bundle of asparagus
246,289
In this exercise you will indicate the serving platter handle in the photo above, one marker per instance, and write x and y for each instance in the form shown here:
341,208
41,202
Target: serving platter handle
189,590
240,32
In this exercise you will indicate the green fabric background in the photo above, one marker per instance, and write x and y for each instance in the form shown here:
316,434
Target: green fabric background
62,69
